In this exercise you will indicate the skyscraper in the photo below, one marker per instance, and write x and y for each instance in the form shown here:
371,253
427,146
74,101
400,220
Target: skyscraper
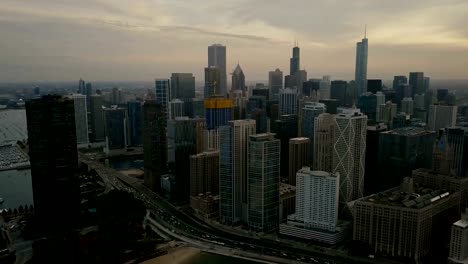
399,80
441,116
372,170
81,118
154,144
54,163
263,178
182,86
275,82
349,153
288,101
115,120
217,58
309,112
401,151
299,156
218,111
457,140
233,170
238,79
135,122
339,91
285,128
81,86
416,80
163,92
407,106
176,108
316,215
361,66
204,173
97,118
367,103
212,82
294,65
459,241
324,140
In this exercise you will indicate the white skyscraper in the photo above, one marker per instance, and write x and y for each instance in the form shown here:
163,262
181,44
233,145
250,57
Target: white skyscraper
288,101
361,66
459,241
349,153
81,118
217,58
380,100
233,169
441,116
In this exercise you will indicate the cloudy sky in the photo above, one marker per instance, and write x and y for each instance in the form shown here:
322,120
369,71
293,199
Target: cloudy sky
59,40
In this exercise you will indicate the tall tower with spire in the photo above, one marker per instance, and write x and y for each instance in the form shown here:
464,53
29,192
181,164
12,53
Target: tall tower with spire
238,79
295,60
361,66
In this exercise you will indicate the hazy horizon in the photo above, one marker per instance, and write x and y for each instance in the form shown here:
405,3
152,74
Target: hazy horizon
46,40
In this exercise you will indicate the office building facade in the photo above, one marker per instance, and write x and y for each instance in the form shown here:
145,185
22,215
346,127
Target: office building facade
81,118
217,58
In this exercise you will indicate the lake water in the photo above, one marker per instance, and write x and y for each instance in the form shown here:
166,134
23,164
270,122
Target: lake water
15,188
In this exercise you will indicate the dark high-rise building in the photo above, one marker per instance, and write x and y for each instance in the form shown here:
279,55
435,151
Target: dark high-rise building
427,83
135,120
368,105
263,181
81,86
294,66
265,92
331,105
338,92
299,156
402,91
275,82
372,170
374,86
182,86
238,79
54,163
154,144
442,94
401,151
399,80
115,128
457,141
184,137
204,173
212,82
416,80
311,87
96,118
217,58
285,128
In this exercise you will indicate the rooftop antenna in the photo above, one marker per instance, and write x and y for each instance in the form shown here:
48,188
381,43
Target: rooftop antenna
365,31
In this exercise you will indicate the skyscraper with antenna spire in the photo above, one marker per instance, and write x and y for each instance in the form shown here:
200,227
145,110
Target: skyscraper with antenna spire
295,60
361,66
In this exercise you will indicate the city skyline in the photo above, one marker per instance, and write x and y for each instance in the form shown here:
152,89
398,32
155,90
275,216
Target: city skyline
147,40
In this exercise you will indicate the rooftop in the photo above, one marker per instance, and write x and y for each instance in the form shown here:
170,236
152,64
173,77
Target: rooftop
409,131
419,198
461,223
287,189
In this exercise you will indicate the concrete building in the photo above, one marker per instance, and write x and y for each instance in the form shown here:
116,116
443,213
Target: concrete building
275,82
409,222
386,113
182,86
324,140
310,111
459,241
299,156
316,214
217,58
263,179
349,153
204,173
288,101
154,144
233,170
441,116
81,118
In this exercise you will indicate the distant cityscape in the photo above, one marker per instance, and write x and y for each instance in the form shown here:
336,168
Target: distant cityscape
290,170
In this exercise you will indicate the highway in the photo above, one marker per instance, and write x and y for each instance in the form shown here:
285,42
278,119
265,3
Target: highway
184,225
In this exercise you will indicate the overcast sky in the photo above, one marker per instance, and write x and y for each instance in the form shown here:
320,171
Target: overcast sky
55,40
